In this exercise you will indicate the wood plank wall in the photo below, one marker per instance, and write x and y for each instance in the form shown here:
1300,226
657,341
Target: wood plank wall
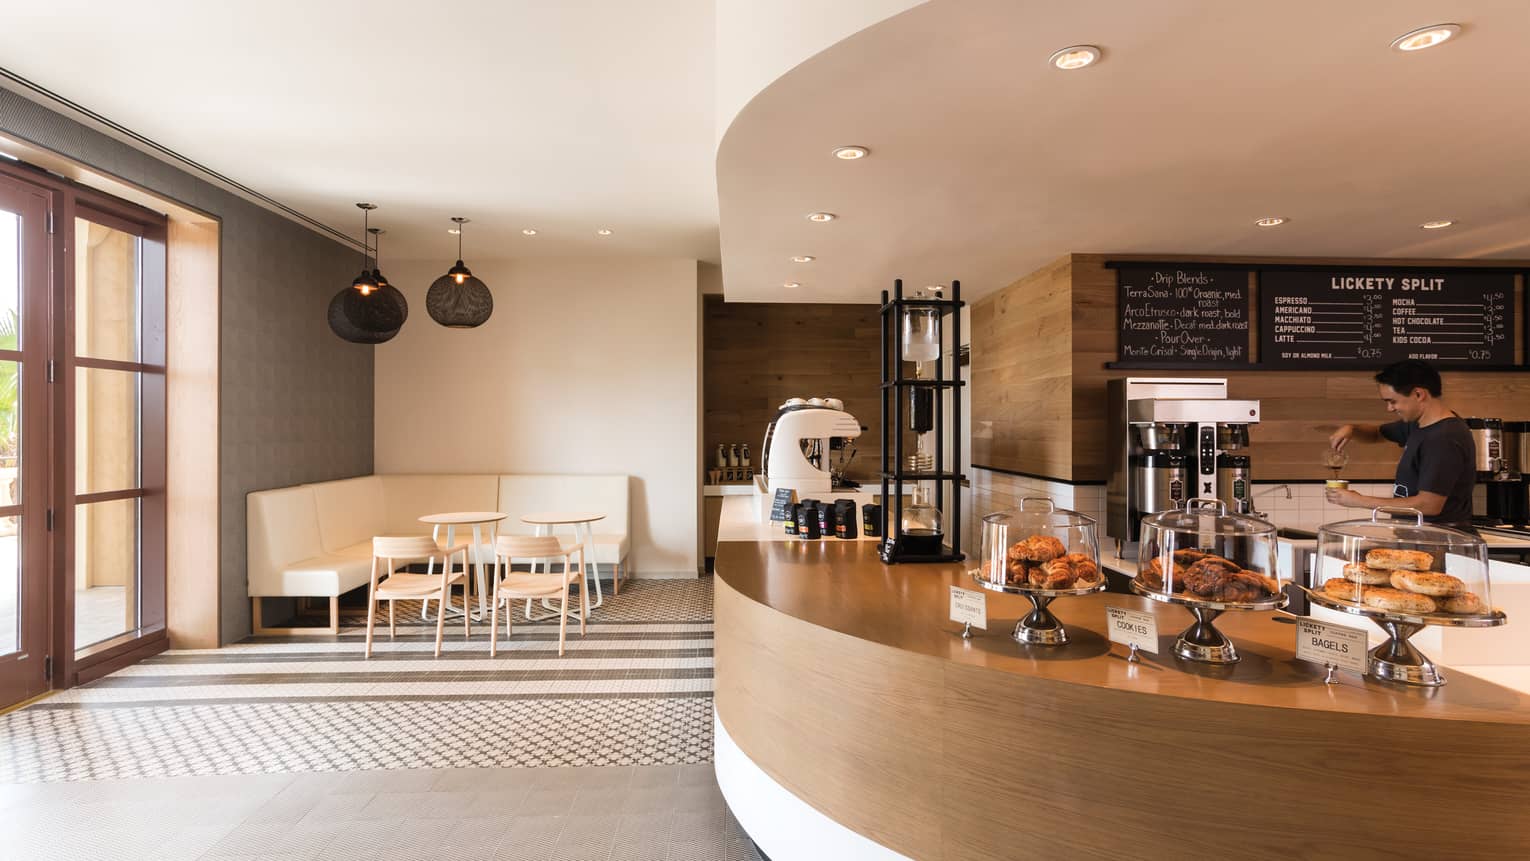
756,355
1299,408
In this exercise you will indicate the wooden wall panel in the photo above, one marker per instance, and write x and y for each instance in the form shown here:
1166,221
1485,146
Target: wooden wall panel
1032,415
1022,374
756,355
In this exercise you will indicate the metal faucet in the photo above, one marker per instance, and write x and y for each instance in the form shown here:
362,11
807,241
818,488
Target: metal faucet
1285,487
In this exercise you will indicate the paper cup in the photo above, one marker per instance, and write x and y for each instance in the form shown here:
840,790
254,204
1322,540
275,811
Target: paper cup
1337,483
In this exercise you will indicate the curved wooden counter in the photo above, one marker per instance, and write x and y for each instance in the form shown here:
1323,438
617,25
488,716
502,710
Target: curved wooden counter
843,680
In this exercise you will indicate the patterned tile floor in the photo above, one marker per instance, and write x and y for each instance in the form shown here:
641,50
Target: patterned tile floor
300,748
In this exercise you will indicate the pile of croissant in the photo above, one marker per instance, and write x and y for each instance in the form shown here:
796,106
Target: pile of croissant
1208,576
1043,562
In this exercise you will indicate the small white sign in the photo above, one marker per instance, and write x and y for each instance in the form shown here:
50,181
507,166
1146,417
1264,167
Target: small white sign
1133,628
968,606
1325,643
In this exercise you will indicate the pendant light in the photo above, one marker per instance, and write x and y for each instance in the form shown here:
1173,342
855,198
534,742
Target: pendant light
367,312
364,282
457,300
387,290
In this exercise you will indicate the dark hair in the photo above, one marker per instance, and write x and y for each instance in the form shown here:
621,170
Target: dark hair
1408,375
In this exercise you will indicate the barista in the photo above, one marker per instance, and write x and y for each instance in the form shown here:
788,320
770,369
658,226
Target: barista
1438,466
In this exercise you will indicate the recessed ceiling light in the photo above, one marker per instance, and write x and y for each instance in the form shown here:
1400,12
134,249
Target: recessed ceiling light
1271,221
1425,37
604,231
851,153
803,258
1437,224
530,231
1076,57
821,216
454,230
791,285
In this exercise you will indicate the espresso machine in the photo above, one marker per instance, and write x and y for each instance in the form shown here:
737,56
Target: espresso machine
1170,440
799,441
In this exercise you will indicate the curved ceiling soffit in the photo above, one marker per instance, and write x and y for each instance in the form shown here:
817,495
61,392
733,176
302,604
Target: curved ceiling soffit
987,164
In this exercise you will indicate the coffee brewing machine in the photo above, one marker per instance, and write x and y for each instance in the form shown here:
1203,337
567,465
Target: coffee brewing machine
1170,440
1503,469
799,442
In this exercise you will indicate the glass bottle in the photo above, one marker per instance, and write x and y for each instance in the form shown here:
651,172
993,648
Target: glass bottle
921,334
922,530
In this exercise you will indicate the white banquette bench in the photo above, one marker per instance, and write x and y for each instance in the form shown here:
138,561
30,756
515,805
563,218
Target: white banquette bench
315,540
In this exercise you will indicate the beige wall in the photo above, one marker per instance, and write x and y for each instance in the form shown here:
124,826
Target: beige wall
585,367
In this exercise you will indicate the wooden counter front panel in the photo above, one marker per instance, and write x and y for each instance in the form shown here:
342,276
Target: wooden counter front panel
946,758
846,725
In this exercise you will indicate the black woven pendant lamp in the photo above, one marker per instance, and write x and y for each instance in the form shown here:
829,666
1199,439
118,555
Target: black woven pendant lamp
392,293
364,313
457,300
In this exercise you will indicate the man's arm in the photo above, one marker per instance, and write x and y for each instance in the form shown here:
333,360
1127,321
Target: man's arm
1360,433
1428,503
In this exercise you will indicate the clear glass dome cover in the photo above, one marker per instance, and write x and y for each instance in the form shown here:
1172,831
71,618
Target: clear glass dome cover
1040,546
1203,552
1393,563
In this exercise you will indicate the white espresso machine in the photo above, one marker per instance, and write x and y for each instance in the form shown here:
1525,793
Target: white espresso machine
803,432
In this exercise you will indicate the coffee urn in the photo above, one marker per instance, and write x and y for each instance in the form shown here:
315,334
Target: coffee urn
1508,491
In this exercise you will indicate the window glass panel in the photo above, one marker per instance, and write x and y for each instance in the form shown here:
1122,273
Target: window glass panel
106,430
10,585
10,433
105,570
10,279
105,292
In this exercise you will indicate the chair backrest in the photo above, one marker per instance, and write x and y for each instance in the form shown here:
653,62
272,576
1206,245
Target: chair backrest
527,546
283,528
404,547
350,511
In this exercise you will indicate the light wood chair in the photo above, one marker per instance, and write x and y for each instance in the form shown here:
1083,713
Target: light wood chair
393,586
510,585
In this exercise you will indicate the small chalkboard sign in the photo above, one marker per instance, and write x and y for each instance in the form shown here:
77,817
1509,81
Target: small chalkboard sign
783,500
1183,314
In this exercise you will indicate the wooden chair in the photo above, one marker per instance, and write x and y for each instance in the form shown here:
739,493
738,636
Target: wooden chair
512,585
392,586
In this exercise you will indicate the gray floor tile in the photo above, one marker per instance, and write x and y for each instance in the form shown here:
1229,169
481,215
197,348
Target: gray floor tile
360,839
586,838
483,779
653,776
530,838
496,803
699,774
331,808
417,805
548,802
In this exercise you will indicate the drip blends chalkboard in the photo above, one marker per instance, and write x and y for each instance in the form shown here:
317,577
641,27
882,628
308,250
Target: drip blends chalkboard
1328,319
1183,314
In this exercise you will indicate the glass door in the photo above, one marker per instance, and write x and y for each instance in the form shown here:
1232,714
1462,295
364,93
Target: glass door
25,269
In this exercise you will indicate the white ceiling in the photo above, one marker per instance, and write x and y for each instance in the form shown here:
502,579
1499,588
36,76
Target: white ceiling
1203,116
563,116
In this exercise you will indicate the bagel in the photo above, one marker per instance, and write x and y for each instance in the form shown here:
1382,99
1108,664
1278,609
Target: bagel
1406,560
1345,590
1398,601
1427,583
1466,603
1359,572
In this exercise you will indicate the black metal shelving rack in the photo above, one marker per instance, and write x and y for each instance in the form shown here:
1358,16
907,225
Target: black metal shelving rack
894,400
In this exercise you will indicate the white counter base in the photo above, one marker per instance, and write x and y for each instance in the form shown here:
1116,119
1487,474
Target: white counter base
784,826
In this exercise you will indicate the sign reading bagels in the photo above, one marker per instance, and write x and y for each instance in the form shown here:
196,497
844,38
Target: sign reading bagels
969,607
1132,628
1328,644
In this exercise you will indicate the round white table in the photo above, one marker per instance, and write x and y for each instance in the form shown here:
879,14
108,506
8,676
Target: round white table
583,533
478,520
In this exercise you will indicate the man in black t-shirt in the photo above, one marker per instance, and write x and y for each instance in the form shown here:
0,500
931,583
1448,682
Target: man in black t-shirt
1438,469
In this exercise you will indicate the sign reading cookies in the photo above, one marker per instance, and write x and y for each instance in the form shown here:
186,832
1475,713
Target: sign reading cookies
1132,628
969,607
1328,644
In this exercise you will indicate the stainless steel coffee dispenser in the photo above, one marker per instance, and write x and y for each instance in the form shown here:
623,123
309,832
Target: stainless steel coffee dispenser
1166,439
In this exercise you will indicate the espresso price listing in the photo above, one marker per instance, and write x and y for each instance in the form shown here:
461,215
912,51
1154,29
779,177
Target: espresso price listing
1132,628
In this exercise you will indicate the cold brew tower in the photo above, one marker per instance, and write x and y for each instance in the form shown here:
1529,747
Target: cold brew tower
1170,440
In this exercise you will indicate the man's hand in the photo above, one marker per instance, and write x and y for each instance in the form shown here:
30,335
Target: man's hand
1347,498
1341,437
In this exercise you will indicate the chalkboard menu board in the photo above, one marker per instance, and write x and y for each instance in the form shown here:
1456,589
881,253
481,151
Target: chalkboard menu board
1326,319
1183,314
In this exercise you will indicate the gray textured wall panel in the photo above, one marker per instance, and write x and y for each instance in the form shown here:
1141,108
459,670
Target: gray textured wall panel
295,401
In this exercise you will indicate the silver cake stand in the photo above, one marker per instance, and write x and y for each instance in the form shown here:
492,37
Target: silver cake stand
1202,641
1397,660
1039,627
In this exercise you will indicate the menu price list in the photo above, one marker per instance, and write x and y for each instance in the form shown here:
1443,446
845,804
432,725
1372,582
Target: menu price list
1320,319
1183,314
